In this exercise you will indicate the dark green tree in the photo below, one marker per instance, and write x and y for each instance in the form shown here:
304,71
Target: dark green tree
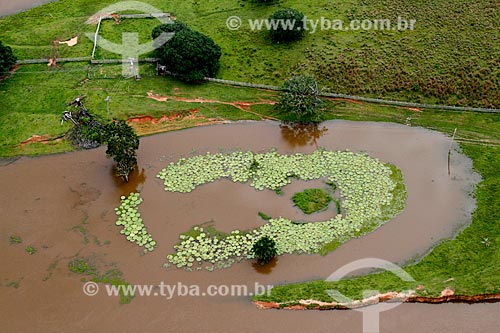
265,250
175,27
7,59
287,25
189,53
300,100
122,146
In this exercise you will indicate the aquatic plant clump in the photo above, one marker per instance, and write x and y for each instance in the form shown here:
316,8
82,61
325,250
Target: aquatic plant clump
133,226
312,200
366,185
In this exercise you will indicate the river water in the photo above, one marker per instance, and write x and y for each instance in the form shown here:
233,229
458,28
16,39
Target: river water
63,205
9,7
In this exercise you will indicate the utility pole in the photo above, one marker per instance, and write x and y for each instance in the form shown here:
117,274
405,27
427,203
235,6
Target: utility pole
108,99
449,152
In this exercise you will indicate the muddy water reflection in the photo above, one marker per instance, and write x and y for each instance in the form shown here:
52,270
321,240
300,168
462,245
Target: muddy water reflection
135,183
45,198
267,268
298,135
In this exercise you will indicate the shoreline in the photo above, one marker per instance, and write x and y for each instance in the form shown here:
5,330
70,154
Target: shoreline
11,7
382,298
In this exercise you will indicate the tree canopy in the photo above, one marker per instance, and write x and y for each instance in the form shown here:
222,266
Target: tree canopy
122,146
175,26
7,58
300,99
288,25
189,53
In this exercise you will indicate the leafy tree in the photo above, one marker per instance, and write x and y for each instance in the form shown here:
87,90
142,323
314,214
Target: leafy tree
300,99
189,53
288,25
7,58
122,146
176,26
265,250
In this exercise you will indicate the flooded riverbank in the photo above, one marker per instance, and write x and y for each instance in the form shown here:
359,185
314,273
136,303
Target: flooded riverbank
63,205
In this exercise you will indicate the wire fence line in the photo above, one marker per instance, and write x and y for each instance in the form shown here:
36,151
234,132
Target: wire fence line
365,99
277,88
46,60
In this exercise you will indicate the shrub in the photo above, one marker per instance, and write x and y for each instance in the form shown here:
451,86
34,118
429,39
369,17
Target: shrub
7,59
300,99
264,250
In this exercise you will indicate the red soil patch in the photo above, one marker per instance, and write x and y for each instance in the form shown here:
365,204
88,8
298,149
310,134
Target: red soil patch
244,106
154,121
447,296
145,125
39,138
411,109
116,18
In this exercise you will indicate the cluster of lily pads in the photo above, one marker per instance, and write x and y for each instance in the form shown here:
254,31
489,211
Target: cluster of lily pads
133,226
365,184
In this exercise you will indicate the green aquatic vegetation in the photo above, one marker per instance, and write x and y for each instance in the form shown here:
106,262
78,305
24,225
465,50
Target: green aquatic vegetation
30,250
339,209
133,226
82,266
264,216
332,185
366,184
114,277
15,239
15,284
312,200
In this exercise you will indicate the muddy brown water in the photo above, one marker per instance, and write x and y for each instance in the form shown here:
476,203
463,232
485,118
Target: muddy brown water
63,205
9,7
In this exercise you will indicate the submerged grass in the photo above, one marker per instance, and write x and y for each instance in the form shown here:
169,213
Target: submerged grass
114,277
312,200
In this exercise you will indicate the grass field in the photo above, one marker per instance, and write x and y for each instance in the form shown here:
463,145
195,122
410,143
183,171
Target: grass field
452,58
